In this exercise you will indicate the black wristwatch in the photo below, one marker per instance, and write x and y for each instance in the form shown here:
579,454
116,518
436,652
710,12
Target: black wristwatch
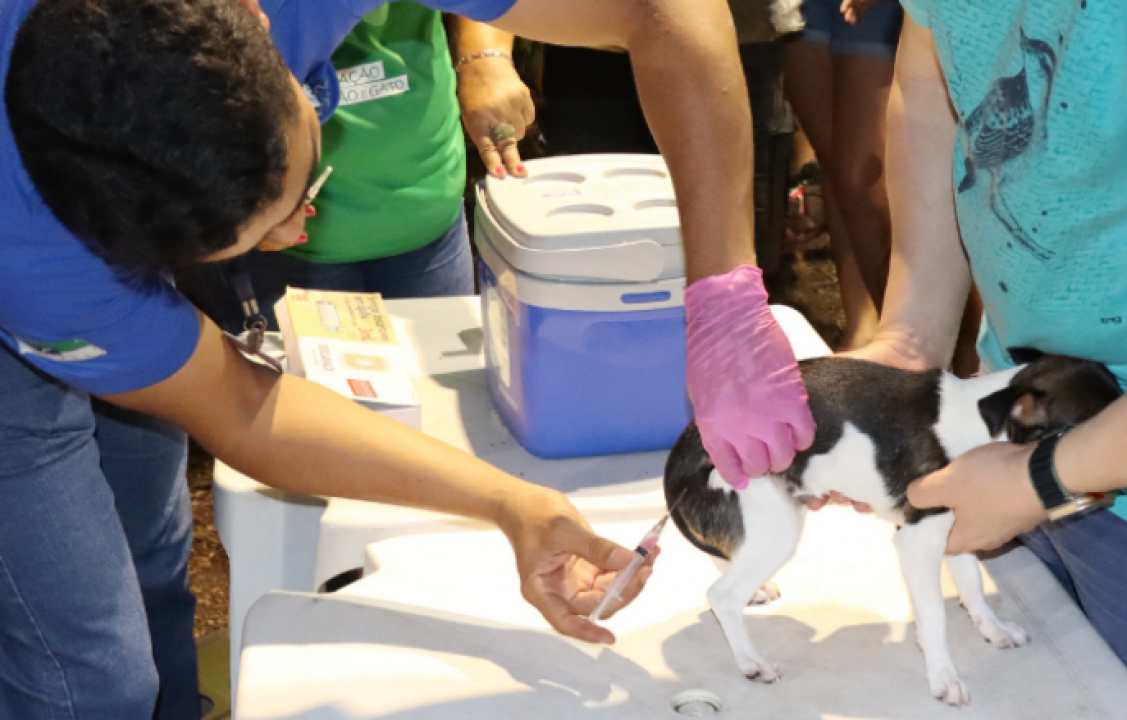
1059,501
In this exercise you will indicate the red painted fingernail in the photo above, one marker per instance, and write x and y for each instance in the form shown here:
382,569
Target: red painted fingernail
310,211
520,168
499,171
304,237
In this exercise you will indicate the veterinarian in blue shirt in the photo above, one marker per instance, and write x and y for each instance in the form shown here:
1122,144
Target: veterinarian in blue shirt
1008,126
141,135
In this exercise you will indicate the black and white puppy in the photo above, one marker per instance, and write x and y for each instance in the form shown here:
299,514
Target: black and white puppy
879,428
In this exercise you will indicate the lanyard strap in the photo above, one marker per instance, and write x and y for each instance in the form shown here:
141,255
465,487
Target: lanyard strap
253,320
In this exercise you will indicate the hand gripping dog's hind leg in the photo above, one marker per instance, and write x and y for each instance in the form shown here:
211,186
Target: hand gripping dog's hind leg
921,547
968,579
772,526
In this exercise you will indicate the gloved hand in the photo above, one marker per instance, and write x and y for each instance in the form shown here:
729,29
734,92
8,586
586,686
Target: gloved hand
750,401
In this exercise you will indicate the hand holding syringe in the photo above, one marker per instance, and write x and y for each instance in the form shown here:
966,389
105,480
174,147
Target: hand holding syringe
645,547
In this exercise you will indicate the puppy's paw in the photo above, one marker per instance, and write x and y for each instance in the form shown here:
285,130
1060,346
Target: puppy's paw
1004,634
946,686
769,593
760,671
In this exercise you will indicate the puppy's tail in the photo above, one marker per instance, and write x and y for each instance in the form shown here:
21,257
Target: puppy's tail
709,518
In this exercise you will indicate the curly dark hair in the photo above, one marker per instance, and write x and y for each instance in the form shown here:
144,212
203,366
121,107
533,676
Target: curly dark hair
153,129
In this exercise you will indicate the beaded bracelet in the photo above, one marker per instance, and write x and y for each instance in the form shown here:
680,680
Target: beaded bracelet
478,55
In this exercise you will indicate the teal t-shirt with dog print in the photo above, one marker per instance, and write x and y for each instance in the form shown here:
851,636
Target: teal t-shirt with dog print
1040,169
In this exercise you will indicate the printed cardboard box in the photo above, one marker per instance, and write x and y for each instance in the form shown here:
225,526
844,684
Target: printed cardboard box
345,342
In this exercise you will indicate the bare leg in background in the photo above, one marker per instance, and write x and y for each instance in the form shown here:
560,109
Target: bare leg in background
809,86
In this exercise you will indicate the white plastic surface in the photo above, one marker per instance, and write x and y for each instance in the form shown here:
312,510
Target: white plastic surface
586,217
439,631
287,541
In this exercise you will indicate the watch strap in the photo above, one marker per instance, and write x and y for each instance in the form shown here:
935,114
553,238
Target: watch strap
1043,473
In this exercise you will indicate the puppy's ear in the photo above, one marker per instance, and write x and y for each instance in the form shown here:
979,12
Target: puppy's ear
1024,355
1029,409
995,408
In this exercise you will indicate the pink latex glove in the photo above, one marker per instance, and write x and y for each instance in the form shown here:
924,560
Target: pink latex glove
750,402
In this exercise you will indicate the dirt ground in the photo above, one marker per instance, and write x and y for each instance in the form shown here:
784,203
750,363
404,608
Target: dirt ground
808,283
208,569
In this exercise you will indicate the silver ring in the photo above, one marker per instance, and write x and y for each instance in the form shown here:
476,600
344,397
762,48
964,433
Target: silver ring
502,132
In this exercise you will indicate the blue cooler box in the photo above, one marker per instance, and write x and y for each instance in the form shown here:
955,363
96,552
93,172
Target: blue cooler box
582,287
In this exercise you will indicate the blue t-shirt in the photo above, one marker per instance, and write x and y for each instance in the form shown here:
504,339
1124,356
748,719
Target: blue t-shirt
103,330
1040,170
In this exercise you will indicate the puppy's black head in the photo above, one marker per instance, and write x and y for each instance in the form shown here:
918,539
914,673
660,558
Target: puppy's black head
1049,394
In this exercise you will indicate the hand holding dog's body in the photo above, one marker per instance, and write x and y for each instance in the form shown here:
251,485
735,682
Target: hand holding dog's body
989,492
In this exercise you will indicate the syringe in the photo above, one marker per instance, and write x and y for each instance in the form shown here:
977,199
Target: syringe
645,547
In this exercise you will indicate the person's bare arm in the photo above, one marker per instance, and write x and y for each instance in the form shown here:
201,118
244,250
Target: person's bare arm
929,278
237,409
295,435
689,78
1093,457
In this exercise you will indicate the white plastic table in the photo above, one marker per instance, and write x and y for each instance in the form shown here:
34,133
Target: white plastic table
286,541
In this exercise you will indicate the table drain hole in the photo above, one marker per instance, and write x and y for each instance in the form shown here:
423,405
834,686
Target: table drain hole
696,703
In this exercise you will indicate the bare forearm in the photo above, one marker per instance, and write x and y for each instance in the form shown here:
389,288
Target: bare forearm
695,99
467,36
928,276
324,444
1093,457
686,64
294,435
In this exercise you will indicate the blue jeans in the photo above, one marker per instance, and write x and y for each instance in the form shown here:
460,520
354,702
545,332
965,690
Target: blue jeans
441,268
1088,555
95,532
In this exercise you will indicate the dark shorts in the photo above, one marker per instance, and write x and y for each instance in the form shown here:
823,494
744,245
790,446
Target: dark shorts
877,36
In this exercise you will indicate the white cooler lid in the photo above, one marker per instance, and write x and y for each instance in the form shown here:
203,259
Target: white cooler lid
581,201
